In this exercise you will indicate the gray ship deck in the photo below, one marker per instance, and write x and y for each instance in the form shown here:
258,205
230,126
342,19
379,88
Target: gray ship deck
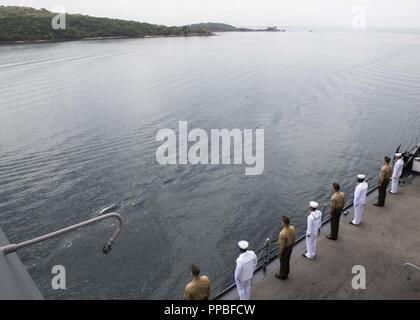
388,238
15,282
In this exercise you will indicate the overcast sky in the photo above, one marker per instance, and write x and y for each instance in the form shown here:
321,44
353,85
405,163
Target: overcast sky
400,13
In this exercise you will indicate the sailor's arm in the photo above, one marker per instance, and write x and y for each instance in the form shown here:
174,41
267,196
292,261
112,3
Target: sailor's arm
282,243
238,271
333,206
187,293
357,194
309,228
381,177
254,263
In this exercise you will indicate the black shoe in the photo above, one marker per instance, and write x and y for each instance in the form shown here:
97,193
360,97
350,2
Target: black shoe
331,238
279,277
378,205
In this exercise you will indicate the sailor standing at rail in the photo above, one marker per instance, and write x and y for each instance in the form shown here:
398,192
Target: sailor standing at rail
287,239
384,176
314,224
199,287
396,173
337,205
359,200
245,267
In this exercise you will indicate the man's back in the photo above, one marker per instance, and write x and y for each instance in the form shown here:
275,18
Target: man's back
198,289
245,266
386,172
338,200
360,193
288,235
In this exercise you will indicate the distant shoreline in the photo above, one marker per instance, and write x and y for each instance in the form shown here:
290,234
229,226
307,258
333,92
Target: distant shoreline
102,38
212,34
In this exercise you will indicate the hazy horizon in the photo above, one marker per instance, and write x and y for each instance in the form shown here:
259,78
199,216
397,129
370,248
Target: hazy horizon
240,13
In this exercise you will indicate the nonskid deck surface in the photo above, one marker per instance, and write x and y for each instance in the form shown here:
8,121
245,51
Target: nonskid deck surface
388,238
15,282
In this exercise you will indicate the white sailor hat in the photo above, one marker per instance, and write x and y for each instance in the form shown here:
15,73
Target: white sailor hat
361,176
398,154
243,244
313,204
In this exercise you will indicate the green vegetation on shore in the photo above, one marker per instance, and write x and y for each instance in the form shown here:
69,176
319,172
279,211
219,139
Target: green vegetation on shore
222,27
213,27
29,24
24,24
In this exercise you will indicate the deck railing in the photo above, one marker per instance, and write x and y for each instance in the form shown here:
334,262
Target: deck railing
106,249
409,266
270,248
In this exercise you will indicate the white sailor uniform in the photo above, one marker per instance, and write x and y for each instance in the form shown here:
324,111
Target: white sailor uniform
245,267
396,174
314,224
359,201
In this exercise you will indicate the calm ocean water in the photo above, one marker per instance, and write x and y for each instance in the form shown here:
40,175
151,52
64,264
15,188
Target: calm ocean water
78,123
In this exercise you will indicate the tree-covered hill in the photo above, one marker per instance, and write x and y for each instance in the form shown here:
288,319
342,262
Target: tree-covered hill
222,27
29,24
213,27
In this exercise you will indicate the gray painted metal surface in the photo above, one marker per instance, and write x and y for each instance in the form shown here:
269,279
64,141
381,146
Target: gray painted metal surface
15,282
